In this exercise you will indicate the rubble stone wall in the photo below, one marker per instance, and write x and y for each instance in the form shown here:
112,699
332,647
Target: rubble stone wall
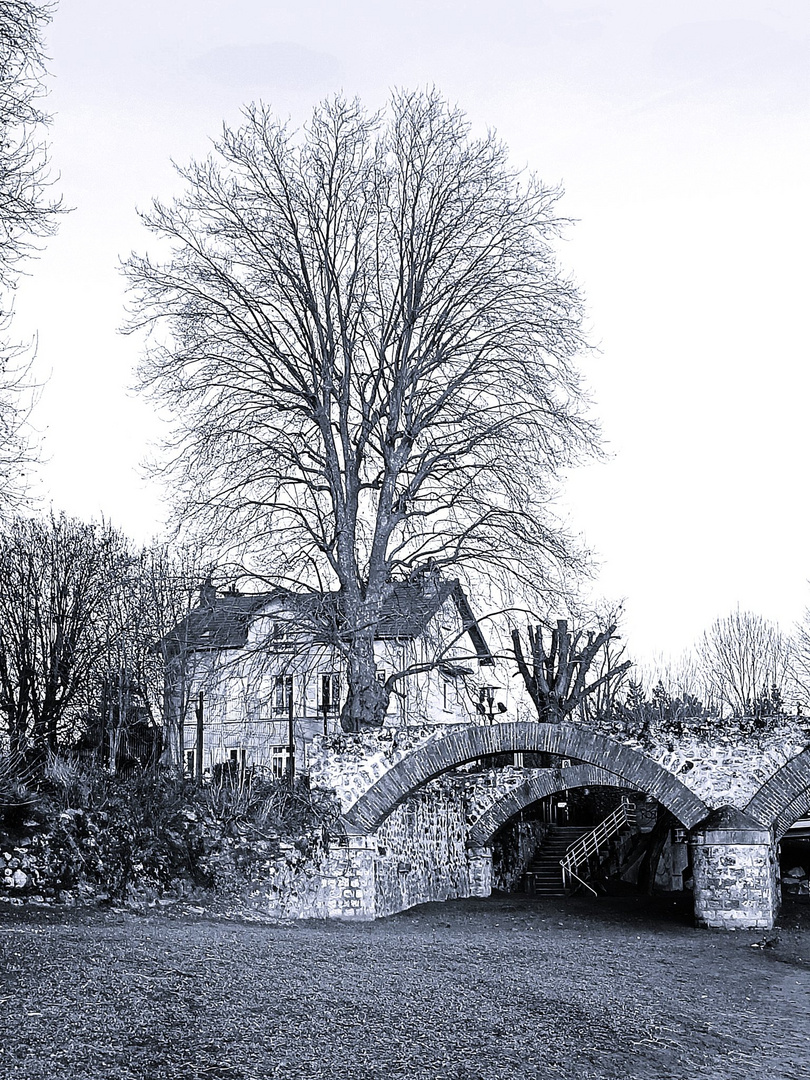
512,851
418,855
421,850
725,771
339,885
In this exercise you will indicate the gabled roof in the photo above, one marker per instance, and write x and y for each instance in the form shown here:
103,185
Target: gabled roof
223,621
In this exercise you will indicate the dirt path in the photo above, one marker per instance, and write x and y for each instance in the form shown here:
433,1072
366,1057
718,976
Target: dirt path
473,990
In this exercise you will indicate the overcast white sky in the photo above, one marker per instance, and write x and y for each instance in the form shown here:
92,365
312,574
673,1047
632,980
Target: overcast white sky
680,132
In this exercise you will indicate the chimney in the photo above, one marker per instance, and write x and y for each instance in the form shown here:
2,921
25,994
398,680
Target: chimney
208,593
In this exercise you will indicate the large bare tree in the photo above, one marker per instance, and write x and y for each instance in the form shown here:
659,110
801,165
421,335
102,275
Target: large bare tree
25,215
368,351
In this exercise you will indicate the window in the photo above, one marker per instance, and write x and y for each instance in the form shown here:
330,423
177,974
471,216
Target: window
446,695
190,762
329,692
283,694
279,760
380,674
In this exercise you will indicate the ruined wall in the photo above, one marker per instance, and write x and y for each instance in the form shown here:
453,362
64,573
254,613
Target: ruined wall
730,770
418,855
421,853
725,771
338,885
421,849
350,764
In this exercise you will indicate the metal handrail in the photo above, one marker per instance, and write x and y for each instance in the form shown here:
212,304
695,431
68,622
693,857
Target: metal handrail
581,850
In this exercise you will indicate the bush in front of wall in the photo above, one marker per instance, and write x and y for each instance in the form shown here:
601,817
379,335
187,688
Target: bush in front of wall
136,839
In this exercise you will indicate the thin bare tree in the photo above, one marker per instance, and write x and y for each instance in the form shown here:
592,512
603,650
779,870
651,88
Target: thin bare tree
24,211
150,590
19,451
800,662
54,582
745,660
368,350
86,625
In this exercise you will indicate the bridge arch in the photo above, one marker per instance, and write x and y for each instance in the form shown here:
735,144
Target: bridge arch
546,782
785,797
448,750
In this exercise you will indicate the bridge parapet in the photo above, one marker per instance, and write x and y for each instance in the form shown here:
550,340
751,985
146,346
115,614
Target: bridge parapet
351,764
731,769
725,772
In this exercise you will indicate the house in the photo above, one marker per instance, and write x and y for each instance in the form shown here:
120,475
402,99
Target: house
251,676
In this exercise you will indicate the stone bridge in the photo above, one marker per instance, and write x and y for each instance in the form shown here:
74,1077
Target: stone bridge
401,794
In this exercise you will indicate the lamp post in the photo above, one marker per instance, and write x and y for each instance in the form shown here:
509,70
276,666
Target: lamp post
291,735
487,705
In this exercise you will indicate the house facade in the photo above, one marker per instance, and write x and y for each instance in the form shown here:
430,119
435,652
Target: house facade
253,678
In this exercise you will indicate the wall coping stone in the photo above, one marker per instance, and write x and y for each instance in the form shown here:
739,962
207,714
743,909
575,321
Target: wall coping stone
728,825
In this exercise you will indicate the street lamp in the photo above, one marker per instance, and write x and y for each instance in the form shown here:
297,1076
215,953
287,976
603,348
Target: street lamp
487,705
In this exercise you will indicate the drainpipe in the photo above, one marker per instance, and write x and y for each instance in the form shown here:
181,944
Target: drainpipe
198,749
291,735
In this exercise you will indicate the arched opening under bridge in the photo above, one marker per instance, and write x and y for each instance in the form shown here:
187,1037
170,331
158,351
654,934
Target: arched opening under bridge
619,839
783,804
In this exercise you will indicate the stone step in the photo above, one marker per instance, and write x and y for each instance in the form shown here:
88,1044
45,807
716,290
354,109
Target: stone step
544,874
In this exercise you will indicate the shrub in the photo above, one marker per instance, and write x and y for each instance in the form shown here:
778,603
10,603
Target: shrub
18,794
149,833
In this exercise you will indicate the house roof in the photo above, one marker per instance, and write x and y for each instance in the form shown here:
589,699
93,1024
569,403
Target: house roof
223,621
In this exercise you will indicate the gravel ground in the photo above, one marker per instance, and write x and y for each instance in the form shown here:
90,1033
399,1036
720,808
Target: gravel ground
469,990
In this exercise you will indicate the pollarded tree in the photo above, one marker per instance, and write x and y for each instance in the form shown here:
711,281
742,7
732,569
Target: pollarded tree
575,665
368,350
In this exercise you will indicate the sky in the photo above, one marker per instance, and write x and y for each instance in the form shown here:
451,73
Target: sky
680,133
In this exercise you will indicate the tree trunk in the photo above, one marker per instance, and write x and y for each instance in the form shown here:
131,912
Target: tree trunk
367,699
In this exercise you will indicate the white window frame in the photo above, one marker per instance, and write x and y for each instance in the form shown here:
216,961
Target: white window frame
335,684
279,761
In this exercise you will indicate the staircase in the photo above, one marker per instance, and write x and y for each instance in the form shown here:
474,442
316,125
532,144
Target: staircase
570,853
544,873
585,854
